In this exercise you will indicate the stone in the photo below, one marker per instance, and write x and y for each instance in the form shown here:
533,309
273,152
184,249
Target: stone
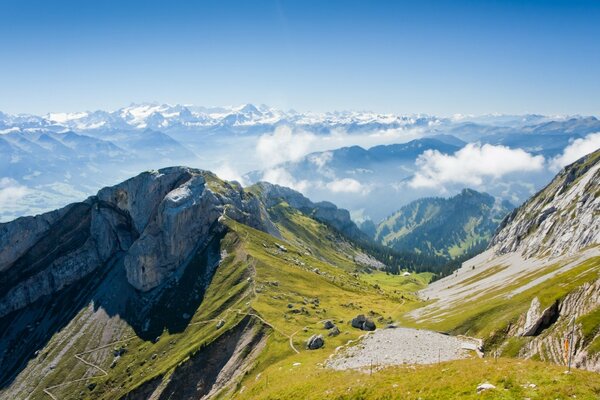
485,386
315,342
220,324
364,323
328,324
334,331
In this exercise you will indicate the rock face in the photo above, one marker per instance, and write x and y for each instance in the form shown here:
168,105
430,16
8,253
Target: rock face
536,319
154,222
315,342
323,211
559,220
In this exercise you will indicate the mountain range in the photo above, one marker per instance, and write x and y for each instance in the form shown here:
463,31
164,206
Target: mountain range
369,163
178,284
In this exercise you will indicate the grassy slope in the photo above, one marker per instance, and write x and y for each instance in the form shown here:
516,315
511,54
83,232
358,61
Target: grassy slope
281,373
317,277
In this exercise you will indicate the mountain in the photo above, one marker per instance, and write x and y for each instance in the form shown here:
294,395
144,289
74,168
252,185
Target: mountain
372,180
449,227
537,284
175,283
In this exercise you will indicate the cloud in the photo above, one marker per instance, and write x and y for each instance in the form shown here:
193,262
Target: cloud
11,191
577,149
284,144
291,144
227,172
281,176
471,165
347,185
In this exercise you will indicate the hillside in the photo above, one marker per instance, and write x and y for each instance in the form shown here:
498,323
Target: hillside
537,282
449,228
174,283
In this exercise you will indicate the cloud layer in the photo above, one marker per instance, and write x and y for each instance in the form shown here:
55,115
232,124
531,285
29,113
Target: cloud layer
10,192
577,149
471,165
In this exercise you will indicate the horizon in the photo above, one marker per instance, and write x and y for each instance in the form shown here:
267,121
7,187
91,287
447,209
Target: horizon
234,107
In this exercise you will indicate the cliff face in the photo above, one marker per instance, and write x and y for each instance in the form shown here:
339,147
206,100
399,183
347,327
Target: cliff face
559,220
323,211
154,221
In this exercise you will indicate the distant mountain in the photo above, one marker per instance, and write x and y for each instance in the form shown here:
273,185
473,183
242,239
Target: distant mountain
449,227
57,162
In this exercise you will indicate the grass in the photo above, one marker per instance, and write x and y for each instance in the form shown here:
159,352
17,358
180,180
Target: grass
450,380
493,310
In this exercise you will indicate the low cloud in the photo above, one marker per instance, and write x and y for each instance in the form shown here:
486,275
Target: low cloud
347,185
291,144
471,165
577,149
227,172
11,191
280,176
284,144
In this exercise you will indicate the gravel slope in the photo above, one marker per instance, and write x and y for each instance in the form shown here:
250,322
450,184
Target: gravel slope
401,346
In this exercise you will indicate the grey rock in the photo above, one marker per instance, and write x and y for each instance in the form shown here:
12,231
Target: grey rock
334,331
328,324
315,342
362,322
155,221
559,220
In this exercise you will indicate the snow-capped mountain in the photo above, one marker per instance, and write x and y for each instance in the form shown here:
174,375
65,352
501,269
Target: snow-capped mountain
350,157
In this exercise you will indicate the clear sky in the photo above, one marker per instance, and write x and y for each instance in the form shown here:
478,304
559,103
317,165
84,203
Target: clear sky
438,57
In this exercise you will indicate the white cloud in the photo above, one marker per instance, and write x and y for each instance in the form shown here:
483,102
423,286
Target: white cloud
227,172
11,191
347,185
577,149
281,176
291,144
282,145
471,164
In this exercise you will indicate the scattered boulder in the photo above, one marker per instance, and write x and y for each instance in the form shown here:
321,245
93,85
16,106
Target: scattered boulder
334,331
315,342
485,386
362,322
328,324
220,324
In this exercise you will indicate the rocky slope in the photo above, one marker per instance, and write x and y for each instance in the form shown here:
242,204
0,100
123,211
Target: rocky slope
157,220
560,219
444,227
538,282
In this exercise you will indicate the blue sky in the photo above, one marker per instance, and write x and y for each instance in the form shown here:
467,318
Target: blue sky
438,57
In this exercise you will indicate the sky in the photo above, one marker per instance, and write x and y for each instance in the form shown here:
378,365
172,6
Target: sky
434,57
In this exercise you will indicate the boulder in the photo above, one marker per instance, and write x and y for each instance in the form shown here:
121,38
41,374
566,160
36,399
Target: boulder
362,322
328,324
334,331
315,342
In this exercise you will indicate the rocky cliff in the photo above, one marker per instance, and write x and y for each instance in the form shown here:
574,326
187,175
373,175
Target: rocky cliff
323,211
559,220
155,222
